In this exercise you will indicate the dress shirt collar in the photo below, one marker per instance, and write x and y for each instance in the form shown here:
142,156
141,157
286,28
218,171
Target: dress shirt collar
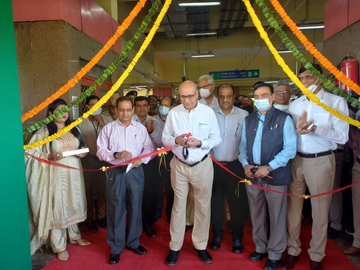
219,110
121,124
194,109
319,94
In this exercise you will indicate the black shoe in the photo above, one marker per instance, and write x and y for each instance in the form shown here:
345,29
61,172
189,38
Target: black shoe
92,227
204,255
237,246
215,243
172,257
150,231
332,233
140,250
272,264
102,222
114,258
256,256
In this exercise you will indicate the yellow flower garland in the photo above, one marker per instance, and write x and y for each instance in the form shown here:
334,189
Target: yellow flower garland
114,87
313,50
288,71
72,82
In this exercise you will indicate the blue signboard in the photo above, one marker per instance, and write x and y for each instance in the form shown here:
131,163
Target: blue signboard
235,74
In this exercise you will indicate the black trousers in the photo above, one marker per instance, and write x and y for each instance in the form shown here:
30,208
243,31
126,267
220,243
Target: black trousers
166,181
153,193
224,186
124,200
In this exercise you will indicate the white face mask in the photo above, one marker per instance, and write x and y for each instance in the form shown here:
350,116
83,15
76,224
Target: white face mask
281,107
313,87
204,93
98,111
262,104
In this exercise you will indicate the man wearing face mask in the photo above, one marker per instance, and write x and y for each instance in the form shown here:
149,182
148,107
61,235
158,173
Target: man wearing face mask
164,166
95,182
111,111
206,87
319,132
268,142
282,96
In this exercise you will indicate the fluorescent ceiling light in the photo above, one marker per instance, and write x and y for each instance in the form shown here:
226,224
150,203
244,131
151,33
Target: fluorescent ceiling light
199,4
202,55
311,27
201,34
284,52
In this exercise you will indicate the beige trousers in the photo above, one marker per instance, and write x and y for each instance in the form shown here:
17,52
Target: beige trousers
190,207
200,177
356,203
58,237
318,175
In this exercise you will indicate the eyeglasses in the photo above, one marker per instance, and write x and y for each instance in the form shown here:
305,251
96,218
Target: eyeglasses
278,93
307,77
189,97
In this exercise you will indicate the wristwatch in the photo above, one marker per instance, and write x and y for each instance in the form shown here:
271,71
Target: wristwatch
199,145
269,168
115,153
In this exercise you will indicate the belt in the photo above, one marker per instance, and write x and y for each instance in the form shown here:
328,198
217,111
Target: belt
339,150
193,164
227,162
316,155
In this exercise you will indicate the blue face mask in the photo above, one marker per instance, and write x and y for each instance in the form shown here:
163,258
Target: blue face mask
262,104
163,110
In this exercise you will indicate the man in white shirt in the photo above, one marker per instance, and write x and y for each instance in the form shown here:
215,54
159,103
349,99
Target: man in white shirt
319,132
230,120
206,88
192,130
282,92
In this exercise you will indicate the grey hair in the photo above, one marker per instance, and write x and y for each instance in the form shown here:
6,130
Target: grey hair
209,79
282,83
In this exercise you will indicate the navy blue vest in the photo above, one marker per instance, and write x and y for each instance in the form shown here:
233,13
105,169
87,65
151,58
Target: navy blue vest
271,143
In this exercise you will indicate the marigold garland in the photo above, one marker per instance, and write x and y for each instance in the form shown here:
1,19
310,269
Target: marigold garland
298,55
312,49
288,71
101,79
114,87
72,82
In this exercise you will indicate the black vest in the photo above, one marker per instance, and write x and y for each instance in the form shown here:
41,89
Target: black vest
271,143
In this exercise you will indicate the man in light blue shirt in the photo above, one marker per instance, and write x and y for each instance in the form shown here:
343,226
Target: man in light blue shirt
268,142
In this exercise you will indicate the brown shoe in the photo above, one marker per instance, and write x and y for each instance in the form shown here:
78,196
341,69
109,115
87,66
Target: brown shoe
351,250
289,262
315,265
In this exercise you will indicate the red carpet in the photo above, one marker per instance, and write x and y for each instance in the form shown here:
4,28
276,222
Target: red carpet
96,255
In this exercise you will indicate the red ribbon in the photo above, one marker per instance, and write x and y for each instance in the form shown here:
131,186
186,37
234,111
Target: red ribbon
167,149
283,193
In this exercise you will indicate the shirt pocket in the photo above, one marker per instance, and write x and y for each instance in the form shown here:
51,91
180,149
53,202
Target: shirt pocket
322,119
203,131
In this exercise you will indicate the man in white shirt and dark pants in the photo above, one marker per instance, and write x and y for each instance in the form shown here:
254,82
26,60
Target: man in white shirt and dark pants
230,120
314,166
191,129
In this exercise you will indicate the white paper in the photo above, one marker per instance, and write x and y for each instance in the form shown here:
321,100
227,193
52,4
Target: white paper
75,152
128,167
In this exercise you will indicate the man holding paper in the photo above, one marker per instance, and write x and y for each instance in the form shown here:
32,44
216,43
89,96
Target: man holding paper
119,141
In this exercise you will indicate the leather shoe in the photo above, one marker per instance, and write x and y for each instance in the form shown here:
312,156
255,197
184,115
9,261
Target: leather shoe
204,255
315,265
237,246
140,250
102,222
172,257
92,227
289,262
150,231
351,250
272,264
215,243
256,256
114,258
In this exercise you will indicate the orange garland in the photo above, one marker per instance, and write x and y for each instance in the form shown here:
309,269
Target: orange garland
312,49
72,82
